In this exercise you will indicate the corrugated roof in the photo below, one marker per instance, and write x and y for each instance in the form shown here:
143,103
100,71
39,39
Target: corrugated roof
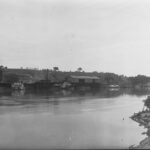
84,77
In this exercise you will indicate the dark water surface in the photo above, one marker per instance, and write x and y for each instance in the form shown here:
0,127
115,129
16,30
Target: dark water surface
64,119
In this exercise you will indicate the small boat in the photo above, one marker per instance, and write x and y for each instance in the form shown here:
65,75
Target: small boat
17,86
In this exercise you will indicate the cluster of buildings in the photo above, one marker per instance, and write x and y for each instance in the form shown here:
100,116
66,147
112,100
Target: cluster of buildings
45,78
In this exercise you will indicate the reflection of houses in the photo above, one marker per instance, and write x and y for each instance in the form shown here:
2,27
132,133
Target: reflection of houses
113,86
83,79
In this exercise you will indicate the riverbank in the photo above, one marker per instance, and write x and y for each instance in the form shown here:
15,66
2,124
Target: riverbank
26,75
143,118
144,144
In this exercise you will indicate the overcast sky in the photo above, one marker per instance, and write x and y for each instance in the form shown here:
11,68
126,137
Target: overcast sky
97,35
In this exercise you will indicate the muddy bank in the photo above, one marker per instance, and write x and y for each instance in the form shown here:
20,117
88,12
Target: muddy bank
143,118
144,144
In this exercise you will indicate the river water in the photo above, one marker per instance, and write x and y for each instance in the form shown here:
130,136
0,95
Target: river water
65,119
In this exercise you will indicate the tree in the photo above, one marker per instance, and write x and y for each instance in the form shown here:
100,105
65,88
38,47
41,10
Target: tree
1,75
139,80
79,69
46,72
55,68
147,102
2,69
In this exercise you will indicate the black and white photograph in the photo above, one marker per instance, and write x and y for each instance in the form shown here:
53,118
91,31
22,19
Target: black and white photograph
74,74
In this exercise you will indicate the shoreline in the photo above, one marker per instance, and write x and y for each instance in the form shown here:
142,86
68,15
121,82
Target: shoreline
143,118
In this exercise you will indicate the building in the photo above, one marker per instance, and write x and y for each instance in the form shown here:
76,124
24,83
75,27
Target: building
83,79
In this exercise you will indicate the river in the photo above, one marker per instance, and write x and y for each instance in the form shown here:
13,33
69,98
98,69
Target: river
65,119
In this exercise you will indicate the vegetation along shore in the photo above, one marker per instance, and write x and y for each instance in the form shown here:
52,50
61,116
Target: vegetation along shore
56,78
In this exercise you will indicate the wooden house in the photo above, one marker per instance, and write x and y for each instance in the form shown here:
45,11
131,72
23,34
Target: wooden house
83,79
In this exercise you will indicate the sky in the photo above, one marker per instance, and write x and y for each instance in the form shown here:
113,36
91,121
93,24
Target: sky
97,35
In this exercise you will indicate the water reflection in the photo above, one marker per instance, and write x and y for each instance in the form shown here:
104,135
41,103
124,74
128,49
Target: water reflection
27,97
49,100
69,119
104,93
9,97
46,100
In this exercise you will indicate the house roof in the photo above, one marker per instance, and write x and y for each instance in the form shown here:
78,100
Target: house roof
85,77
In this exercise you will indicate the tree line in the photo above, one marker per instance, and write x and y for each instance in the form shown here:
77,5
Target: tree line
55,74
